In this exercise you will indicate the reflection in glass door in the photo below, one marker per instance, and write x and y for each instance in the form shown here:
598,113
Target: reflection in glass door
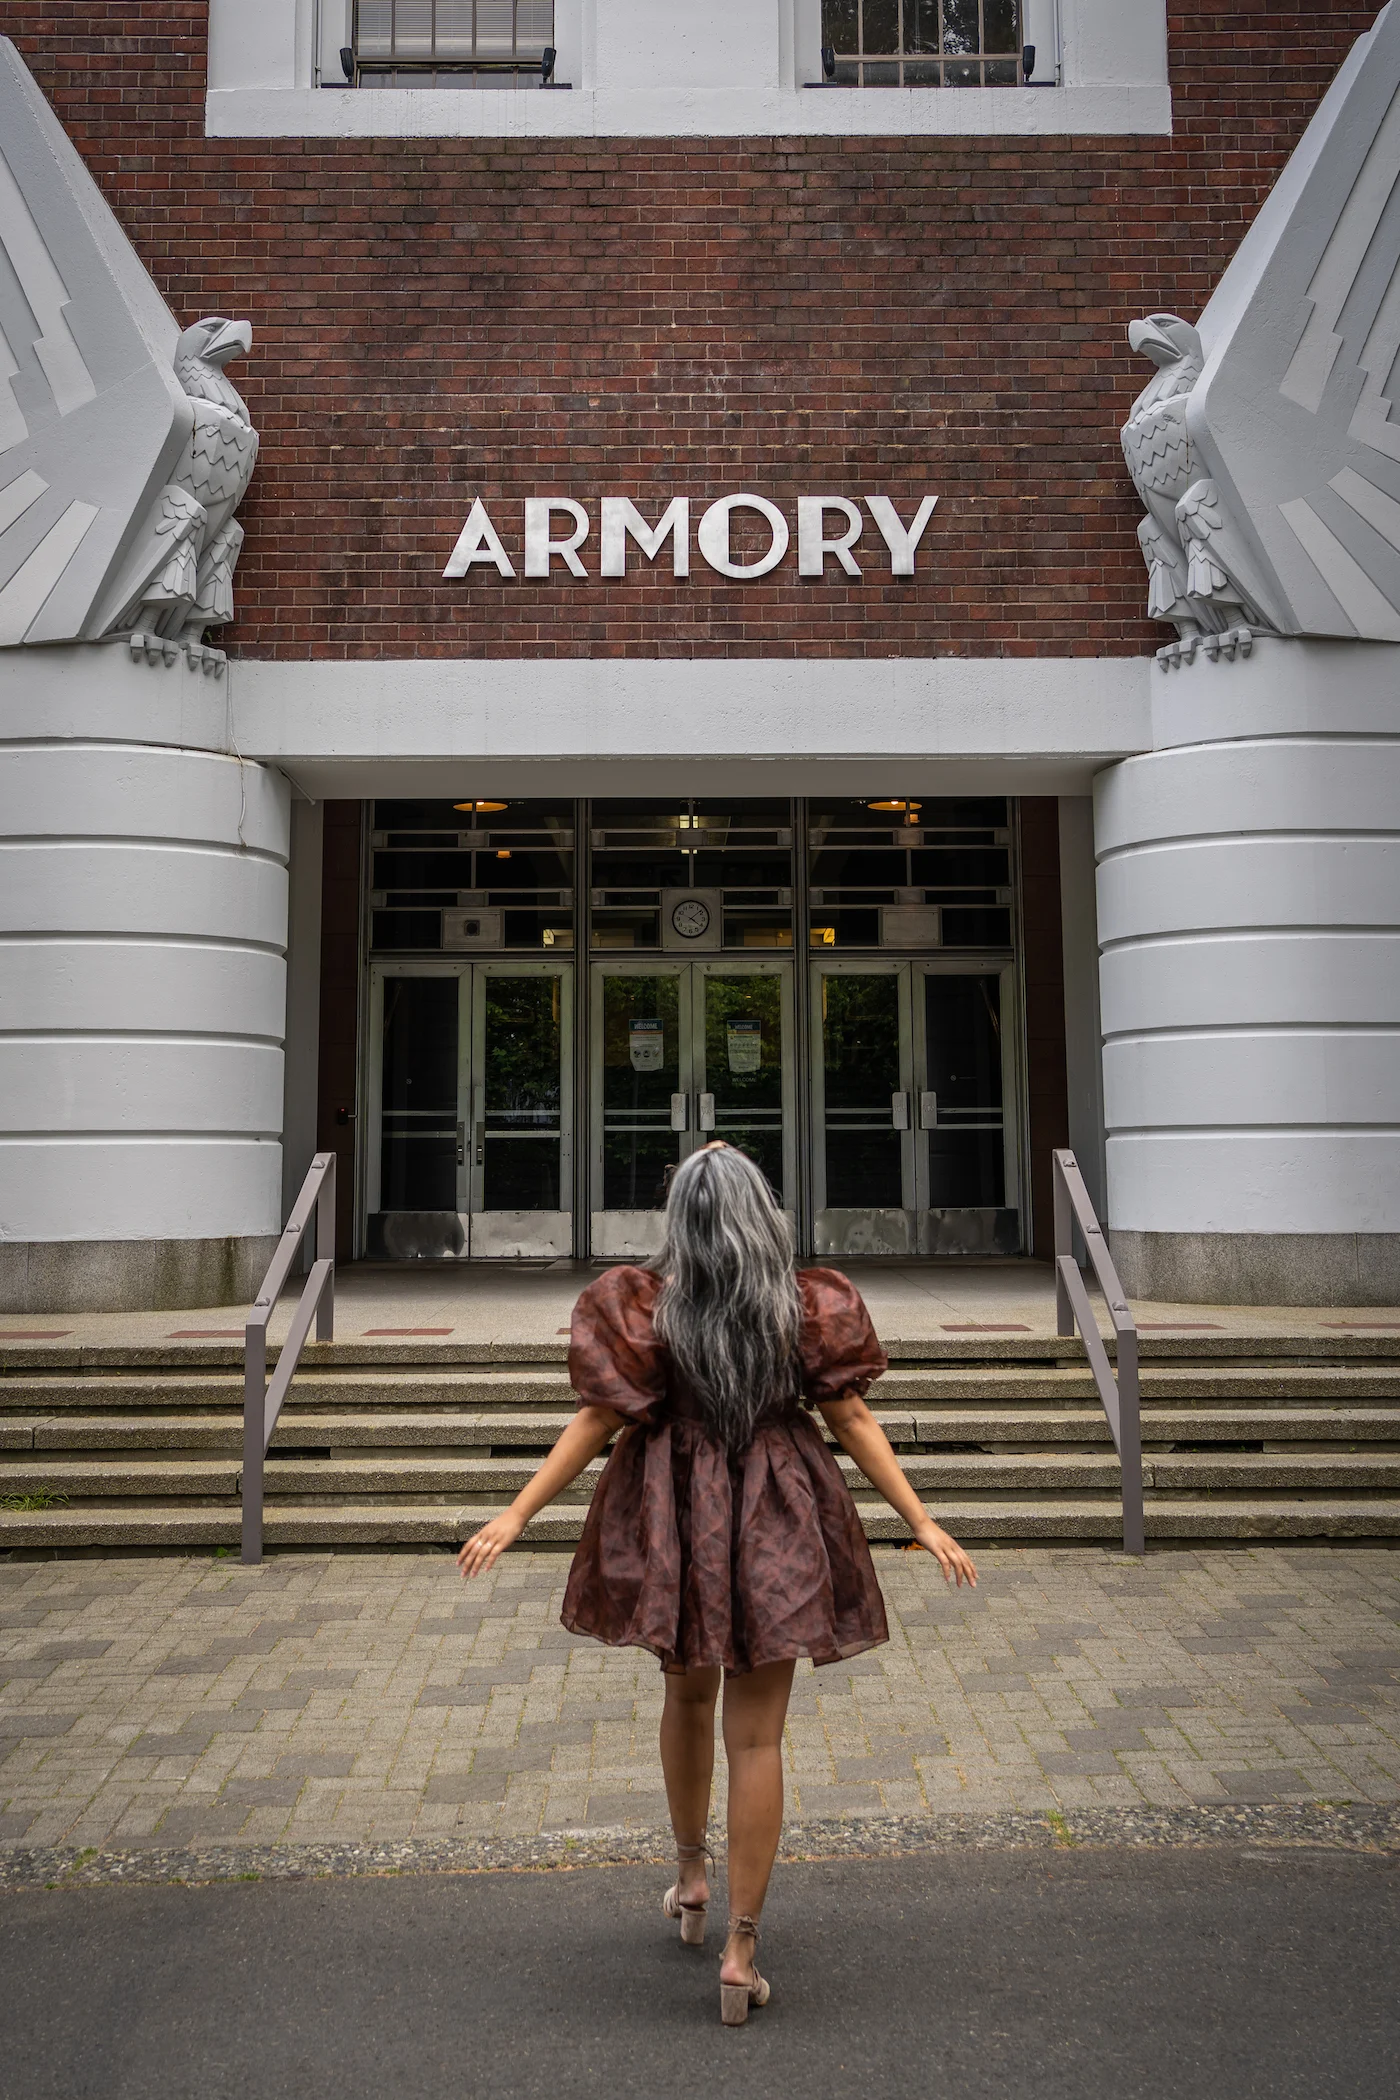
470,1115
682,1053
912,1068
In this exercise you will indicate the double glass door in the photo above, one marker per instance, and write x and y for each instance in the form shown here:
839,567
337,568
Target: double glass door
682,1053
470,1111
912,1076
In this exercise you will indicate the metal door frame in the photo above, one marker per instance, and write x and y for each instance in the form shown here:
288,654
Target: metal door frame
470,972
1012,1121
648,964
379,974
783,968
690,1068
910,971
897,967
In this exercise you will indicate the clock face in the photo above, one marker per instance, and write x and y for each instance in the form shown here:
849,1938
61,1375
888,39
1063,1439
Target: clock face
691,918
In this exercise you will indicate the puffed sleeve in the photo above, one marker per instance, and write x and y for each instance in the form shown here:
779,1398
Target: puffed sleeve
840,1351
615,1359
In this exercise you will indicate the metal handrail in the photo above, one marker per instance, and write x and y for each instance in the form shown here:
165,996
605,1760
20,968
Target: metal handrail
1120,1400
262,1403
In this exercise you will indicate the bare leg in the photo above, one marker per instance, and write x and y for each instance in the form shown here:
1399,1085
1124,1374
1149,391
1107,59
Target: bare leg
688,1761
755,1711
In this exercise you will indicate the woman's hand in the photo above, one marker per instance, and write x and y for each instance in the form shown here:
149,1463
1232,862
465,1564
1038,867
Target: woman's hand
956,1565
486,1546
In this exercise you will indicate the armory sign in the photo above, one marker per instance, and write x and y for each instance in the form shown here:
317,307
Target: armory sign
556,527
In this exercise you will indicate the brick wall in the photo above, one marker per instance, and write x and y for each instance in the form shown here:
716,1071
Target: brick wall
440,318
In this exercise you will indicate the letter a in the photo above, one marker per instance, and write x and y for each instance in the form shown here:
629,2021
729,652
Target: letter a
477,542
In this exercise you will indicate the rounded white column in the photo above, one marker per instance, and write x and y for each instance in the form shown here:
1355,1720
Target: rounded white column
143,927
1249,923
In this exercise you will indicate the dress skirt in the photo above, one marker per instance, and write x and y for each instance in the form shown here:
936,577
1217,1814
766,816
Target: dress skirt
705,1557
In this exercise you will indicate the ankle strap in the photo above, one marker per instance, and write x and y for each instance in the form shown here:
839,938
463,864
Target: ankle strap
744,1924
701,1851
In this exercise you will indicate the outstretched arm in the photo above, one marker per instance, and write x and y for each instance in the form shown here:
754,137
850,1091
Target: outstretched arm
861,1437
577,1447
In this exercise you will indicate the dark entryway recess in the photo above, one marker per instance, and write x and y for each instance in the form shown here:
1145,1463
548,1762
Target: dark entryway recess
354,900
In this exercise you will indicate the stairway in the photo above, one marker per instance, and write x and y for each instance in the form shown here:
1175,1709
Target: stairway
410,1444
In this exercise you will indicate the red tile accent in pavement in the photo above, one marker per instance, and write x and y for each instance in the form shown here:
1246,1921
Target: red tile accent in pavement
33,1334
205,1334
1184,1326
984,1327
1362,1323
406,1330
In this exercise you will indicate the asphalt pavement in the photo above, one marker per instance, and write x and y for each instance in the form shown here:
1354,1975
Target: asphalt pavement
1081,1973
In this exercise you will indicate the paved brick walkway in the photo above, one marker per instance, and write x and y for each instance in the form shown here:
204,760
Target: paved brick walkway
355,1698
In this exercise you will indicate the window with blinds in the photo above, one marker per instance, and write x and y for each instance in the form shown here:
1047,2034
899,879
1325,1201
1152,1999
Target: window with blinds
923,43
451,43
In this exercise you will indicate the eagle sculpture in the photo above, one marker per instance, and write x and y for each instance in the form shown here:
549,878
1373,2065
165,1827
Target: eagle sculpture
1263,448
124,449
192,540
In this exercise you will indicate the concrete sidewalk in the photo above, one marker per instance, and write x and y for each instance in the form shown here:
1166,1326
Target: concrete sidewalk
356,1698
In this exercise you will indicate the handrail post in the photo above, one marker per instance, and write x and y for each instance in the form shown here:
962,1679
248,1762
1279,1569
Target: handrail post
325,1249
254,1447
1064,1244
1130,1442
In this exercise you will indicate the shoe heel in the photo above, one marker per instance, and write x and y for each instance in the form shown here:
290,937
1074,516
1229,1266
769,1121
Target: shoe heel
692,1927
733,2004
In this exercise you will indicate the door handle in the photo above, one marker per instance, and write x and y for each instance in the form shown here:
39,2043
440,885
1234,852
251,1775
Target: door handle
461,1143
928,1111
707,1111
481,1144
899,1111
680,1111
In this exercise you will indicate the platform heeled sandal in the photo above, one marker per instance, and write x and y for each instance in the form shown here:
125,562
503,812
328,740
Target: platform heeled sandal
691,1915
736,1998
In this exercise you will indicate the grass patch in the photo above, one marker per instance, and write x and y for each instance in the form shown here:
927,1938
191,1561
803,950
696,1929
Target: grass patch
41,1498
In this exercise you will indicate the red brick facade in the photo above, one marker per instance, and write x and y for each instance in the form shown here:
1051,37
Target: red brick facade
437,319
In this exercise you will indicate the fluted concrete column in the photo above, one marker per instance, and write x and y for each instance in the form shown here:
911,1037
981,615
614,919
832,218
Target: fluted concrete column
1249,926
143,927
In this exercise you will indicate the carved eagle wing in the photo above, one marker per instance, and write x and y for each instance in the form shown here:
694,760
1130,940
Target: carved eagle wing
92,417
1293,416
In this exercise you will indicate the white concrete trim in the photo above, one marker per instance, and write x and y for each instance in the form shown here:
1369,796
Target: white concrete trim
1006,725
734,68
348,113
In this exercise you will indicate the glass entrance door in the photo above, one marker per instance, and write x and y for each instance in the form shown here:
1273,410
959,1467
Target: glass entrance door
470,1114
912,1072
682,1053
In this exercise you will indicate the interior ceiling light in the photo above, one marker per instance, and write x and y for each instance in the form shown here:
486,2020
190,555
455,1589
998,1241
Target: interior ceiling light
480,806
503,853
910,809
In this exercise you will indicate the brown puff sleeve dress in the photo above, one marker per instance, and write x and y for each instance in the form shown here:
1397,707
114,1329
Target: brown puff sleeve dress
706,1557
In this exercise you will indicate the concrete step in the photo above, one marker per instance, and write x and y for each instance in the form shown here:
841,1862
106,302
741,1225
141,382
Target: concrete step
933,1475
535,1429
470,1387
994,1518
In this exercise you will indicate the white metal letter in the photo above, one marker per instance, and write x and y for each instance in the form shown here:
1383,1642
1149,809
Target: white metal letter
621,521
900,543
713,536
538,544
477,542
812,544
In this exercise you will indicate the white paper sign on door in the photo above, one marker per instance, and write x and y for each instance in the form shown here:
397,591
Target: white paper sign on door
645,1045
745,1046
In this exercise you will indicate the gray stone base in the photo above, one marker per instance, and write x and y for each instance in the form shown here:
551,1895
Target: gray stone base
68,1276
1260,1268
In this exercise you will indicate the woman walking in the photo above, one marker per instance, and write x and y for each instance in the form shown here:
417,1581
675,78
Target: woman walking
722,1536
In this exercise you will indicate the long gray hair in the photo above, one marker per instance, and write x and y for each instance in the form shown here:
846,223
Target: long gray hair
728,1308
